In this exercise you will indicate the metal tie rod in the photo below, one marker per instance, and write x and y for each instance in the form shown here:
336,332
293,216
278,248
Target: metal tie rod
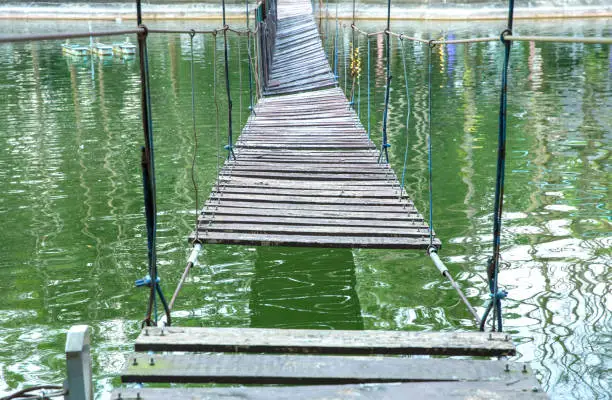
444,271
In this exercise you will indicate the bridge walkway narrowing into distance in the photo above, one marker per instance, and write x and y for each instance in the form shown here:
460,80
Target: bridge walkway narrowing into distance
305,172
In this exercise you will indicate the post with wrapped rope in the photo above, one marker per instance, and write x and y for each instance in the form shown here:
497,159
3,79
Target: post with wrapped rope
384,147
493,268
249,56
230,141
148,180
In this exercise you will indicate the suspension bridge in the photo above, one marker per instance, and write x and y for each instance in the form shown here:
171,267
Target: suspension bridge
304,172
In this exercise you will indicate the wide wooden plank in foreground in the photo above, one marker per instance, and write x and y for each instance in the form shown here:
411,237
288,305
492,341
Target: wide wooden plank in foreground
259,340
522,390
312,369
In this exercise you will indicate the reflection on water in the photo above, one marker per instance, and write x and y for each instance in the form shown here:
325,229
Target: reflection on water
310,289
72,226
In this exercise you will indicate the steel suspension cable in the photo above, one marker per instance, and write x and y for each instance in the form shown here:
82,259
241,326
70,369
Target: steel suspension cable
148,177
336,47
429,147
239,84
359,81
216,100
195,134
385,145
368,39
249,57
229,147
496,294
401,46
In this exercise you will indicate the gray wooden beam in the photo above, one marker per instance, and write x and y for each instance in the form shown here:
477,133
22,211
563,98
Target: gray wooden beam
260,340
313,369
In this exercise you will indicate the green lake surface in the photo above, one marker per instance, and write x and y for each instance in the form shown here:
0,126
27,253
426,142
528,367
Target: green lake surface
72,227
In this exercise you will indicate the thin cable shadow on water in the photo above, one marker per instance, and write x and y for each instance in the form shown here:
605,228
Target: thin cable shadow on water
305,288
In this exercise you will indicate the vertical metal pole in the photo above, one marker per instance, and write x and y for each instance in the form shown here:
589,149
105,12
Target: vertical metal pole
229,147
249,54
385,145
148,165
501,164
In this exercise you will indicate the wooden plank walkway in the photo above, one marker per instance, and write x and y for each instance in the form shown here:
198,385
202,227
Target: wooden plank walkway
309,341
305,172
319,358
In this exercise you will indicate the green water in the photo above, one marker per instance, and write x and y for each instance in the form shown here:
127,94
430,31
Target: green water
72,226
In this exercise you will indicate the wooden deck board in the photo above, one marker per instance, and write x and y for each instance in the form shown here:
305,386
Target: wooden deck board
521,390
258,340
312,369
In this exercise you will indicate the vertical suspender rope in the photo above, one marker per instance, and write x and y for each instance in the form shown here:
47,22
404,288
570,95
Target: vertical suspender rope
493,270
229,147
195,135
430,47
197,247
368,39
336,47
148,178
249,56
385,145
432,250
401,45
344,60
239,81
214,67
359,81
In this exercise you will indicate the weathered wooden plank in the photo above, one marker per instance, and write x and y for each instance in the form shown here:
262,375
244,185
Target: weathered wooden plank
308,169
373,223
360,194
304,146
320,184
319,214
340,242
328,200
386,175
312,369
399,209
525,389
310,341
310,230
